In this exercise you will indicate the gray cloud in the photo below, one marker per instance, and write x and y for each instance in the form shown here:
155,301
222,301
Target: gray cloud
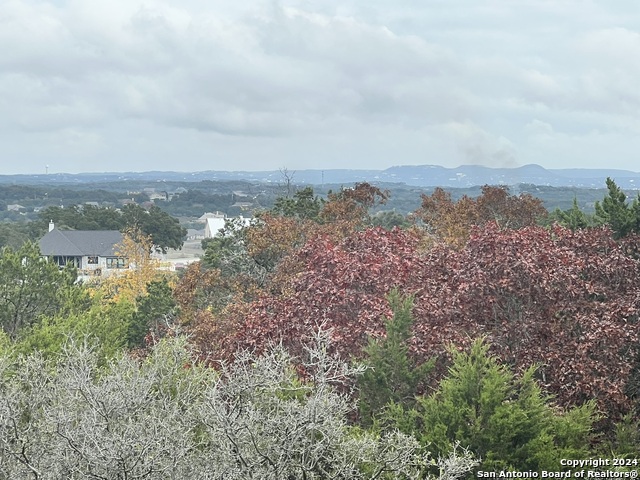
122,85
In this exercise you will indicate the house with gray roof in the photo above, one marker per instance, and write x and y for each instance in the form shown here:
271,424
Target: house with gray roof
93,252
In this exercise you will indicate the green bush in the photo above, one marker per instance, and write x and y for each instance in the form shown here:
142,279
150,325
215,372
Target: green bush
504,419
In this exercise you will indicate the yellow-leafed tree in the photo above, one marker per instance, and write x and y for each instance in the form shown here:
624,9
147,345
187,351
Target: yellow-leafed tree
131,282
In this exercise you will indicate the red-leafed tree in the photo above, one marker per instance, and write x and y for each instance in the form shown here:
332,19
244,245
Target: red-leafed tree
565,300
342,285
568,301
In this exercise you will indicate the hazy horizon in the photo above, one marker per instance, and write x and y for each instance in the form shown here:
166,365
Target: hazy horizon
161,85
292,173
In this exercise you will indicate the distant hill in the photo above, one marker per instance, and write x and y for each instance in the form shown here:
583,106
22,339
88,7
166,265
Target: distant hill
412,175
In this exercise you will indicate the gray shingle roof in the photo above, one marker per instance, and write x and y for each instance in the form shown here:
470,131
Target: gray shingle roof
78,243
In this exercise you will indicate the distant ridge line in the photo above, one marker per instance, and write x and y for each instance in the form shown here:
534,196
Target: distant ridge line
412,175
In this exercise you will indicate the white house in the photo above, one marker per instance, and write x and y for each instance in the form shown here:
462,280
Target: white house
215,224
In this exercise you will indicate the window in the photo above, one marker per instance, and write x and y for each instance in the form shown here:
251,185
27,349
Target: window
63,260
92,260
117,262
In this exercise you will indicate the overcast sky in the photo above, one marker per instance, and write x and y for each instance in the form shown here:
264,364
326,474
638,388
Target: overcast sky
128,85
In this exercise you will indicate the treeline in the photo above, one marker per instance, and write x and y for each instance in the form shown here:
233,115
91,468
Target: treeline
38,195
164,230
193,198
481,323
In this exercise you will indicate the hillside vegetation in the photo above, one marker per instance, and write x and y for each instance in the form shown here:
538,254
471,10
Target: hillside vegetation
330,340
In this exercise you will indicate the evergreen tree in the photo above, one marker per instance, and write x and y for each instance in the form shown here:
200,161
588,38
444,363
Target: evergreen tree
573,218
506,420
615,211
393,375
304,205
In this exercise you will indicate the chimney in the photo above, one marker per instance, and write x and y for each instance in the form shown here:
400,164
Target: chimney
51,225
